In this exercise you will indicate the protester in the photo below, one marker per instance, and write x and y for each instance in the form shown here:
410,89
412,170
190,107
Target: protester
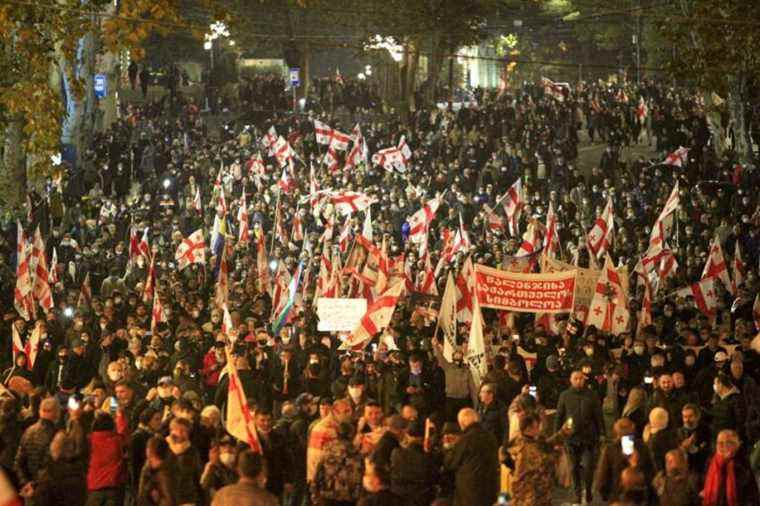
250,488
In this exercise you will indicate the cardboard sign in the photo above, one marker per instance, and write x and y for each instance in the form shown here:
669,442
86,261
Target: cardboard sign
336,315
525,293
585,281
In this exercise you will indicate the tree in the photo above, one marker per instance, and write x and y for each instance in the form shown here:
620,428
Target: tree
40,39
718,49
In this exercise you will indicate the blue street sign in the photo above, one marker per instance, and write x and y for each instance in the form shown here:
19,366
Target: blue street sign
295,77
100,85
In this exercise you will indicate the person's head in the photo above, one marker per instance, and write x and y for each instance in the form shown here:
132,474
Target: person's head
356,388
676,463
737,369
373,414
50,409
262,417
530,424
577,379
103,422
325,407
487,393
252,467
679,380
342,410
409,413
179,430
658,420
228,452
346,431
728,444
467,417
623,427
665,383
211,417
156,452
690,415
151,418
722,384
124,393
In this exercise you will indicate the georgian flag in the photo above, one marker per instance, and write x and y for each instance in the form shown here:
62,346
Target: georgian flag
22,296
551,238
476,345
642,111
244,231
348,202
494,221
465,292
419,222
197,204
377,318
286,183
345,235
704,294
41,287
359,152
283,152
716,267
609,305
677,158
531,241
664,222
601,234
394,157
513,202
269,140
192,250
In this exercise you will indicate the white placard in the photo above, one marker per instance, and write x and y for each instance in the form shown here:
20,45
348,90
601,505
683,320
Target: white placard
337,315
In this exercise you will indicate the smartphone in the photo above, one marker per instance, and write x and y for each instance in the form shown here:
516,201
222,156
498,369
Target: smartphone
374,347
532,391
113,404
648,380
73,403
503,499
515,337
569,423
626,443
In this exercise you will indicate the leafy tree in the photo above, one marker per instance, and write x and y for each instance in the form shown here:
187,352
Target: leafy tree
42,39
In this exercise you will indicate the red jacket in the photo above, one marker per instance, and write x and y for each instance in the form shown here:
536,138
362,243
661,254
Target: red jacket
106,467
211,376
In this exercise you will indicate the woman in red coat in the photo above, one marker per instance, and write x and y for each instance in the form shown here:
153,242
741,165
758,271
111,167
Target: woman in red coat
107,472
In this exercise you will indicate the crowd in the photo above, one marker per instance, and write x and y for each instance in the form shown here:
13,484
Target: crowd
111,399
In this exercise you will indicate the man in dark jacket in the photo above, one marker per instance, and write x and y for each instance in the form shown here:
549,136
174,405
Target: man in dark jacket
33,450
493,414
413,472
475,462
580,408
276,453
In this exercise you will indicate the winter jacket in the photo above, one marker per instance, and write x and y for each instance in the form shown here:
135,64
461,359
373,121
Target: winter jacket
413,474
475,462
584,408
107,468
34,450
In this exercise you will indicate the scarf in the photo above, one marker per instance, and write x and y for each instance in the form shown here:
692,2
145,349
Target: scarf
719,468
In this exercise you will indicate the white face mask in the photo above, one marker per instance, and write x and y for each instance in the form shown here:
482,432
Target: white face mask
114,376
228,459
639,350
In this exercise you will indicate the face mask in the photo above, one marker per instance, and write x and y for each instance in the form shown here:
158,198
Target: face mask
589,351
639,350
114,376
416,369
228,459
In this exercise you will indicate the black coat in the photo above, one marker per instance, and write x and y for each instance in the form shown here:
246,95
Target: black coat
584,408
728,413
474,459
612,461
413,474
493,418
279,462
